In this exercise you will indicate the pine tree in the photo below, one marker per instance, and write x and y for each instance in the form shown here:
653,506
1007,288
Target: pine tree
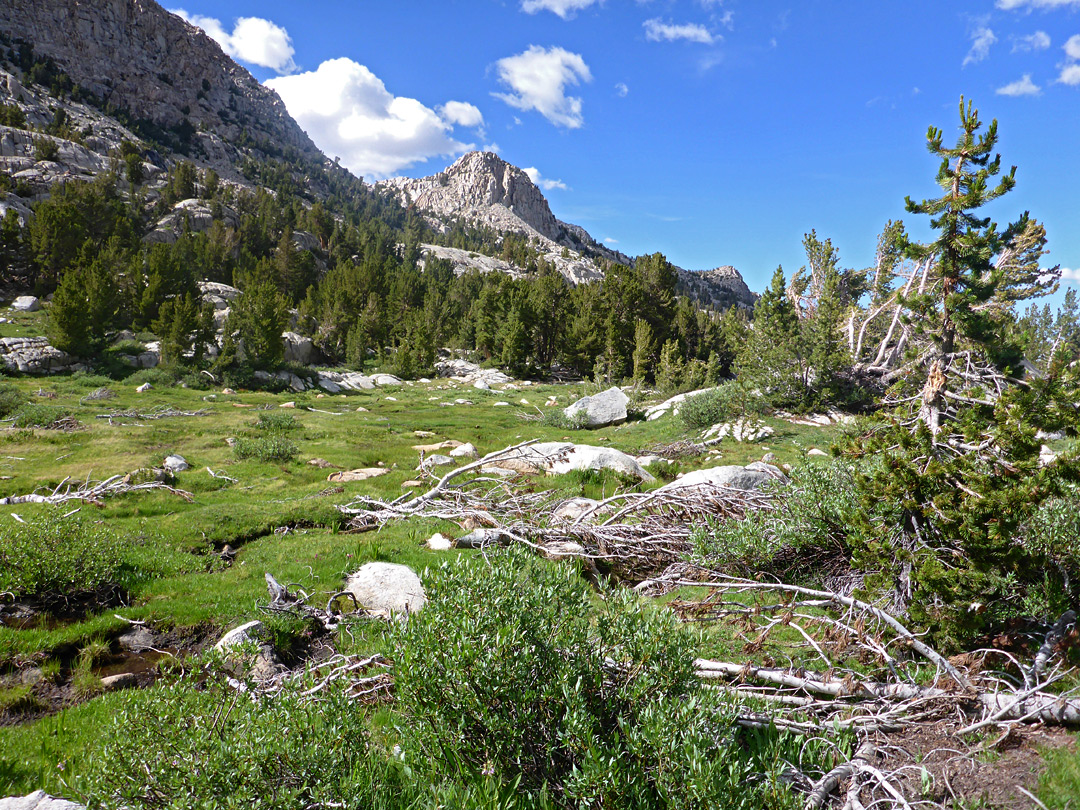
956,462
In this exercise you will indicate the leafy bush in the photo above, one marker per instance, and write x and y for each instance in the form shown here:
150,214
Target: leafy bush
272,448
196,742
56,557
724,403
509,674
803,539
46,149
11,399
157,377
276,422
38,414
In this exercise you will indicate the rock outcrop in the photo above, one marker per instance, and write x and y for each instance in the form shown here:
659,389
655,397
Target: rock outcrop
135,56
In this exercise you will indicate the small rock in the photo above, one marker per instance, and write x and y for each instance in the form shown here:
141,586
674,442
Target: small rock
38,800
142,389
411,484
361,474
321,463
227,391
813,451
230,441
435,460
122,680
481,385
390,399
287,405
449,444
562,549
361,409
769,458
438,542
423,434
176,463
464,451
501,404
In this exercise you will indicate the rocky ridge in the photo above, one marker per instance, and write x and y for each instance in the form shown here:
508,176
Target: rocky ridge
483,189
135,56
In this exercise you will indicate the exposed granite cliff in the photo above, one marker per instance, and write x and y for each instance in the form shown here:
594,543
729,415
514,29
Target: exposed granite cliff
135,56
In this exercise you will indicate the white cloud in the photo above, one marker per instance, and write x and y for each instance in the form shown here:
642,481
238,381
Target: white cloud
609,241
1072,47
981,40
1070,75
539,77
1070,275
656,30
564,8
491,147
1039,41
348,112
461,113
253,40
1044,5
621,90
543,182
1023,86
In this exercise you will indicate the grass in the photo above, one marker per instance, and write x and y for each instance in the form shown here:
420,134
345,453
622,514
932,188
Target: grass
279,515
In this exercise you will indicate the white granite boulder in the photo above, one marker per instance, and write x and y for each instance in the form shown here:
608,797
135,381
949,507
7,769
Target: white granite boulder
388,588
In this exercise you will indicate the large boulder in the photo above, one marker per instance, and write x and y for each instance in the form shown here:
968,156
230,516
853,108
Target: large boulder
26,303
556,458
34,355
606,408
298,349
387,588
754,476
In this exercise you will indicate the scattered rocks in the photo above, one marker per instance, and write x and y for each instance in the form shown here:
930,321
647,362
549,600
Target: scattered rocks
741,430
34,355
606,408
387,588
466,372
561,457
360,474
672,405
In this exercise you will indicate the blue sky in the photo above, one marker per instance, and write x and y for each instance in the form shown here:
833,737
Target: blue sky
714,131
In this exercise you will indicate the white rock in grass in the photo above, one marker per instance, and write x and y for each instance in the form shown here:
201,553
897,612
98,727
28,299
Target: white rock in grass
439,542
142,389
606,408
26,303
38,800
176,463
388,588
464,451
813,451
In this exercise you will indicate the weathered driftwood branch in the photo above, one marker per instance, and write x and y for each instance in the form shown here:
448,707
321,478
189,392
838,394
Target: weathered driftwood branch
93,493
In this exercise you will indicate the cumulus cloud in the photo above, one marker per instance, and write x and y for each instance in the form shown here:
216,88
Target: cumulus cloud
610,241
1039,41
539,79
348,112
981,40
621,89
1070,75
564,8
656,30
1023,86
253,40
1072,47
1070,275
461,113
543,182
1044,5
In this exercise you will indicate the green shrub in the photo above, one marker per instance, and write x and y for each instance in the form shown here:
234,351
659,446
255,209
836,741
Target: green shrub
58,557
196,742
276,422
11,399
38,414
46,149
509,674
157,377
272,448
724,403
804,538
